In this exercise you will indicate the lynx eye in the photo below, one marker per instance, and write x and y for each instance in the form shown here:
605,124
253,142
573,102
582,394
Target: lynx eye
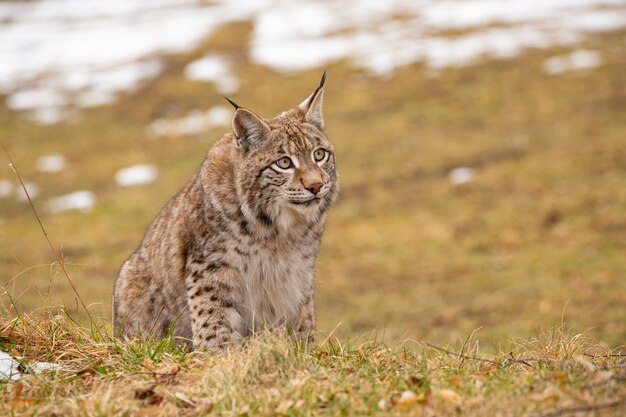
284,163
319,154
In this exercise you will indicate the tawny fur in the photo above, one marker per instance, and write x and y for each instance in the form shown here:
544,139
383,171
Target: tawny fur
234,251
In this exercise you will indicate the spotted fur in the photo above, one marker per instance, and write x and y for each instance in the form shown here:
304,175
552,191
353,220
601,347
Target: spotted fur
234,251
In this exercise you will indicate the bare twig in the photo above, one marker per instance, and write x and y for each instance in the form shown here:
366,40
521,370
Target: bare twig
159,376
509,359
582,409
43,229
610,355
460,355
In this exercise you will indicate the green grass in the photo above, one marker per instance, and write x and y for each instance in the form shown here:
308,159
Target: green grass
538,239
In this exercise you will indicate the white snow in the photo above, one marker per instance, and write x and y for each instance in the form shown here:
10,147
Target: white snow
60,54
461,175
6,188
191,124
219,116
51,163
78,200
9,367
136,175
31,98
40,367
31,187
194,122
577,60
214,68
307,34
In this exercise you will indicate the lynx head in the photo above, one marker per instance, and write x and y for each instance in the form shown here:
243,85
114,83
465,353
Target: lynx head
287,171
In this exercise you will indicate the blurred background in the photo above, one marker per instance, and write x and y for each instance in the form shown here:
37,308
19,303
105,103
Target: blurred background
481,146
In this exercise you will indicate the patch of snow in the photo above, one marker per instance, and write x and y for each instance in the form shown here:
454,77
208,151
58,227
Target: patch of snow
407,395
214,68
191,124
48,115
577,60
59,54
31,187
33,98
41,367
461,175
6,188
159,128
51,163
78,200
83,52
310,34
194,122
9,367
136,175
219,116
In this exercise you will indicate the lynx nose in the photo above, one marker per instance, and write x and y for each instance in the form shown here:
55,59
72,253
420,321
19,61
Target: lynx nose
315,187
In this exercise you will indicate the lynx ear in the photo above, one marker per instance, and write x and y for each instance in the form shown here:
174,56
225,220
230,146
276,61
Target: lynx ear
312,106
249,129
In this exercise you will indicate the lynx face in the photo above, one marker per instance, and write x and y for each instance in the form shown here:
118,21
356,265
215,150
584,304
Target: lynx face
288,168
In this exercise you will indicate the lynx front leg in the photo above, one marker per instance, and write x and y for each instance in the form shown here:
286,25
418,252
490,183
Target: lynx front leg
304,325
212,297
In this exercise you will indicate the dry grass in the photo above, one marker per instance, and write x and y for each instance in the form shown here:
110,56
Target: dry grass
272,375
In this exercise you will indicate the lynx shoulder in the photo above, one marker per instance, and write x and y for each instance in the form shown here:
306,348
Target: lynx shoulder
234,251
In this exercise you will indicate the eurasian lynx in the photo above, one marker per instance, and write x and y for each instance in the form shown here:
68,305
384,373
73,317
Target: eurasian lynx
234,251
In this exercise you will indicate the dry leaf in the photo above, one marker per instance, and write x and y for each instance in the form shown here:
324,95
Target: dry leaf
167,374
560,376
548,395
456,381
23,401
414,381
148,364
15,388
448,395
148,395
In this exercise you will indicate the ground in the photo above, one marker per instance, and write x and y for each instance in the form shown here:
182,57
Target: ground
555,374
535,240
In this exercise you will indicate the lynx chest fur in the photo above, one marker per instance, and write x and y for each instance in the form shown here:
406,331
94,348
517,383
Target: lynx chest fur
234,251
278,283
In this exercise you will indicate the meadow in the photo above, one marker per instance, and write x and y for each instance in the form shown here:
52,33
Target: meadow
534,241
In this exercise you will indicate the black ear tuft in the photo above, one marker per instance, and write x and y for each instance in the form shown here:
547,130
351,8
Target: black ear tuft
312,105
237,106
323,80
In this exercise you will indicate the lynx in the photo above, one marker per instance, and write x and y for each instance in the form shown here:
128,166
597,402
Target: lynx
234,252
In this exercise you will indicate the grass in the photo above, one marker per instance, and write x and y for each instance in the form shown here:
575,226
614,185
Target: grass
536,240
270,375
